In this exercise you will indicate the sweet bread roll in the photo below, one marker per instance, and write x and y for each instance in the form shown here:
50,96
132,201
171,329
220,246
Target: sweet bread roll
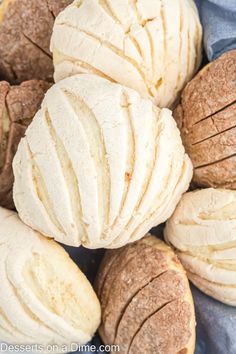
146,301
207,121
153,47
44,298
99,165
18,105
25,31
203,232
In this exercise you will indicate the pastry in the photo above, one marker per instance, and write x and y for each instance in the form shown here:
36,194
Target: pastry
99,165
153,47
146,302
203,232
25,31
44,298
207,120
18,105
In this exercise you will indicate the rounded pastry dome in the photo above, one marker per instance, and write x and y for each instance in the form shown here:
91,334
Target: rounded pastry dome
202,230
153,47
45,298
146,301
25,31
99,166
207,120
18,105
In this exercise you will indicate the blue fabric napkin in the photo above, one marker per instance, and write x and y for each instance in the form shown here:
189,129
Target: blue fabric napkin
218,18
216,325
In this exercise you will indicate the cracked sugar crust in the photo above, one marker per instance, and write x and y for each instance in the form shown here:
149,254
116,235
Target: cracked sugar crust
134,43
119,162
202,231
125,287
18,105
207,120
158,292
145,309
25,31
45,298
167,330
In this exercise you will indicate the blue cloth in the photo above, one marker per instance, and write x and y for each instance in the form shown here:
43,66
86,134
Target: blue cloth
218,18
216,325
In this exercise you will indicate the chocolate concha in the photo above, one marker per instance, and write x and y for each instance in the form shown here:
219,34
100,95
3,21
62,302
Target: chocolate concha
25,31
146,301
206,117
18,105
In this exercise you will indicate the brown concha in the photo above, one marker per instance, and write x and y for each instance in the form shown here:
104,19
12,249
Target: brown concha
146,302
206,117
25,32
18,105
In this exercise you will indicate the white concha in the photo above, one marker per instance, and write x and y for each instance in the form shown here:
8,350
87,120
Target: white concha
153,47
203,232
99,166
44,298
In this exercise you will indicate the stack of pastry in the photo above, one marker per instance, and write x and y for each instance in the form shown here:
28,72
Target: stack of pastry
102,162
202,229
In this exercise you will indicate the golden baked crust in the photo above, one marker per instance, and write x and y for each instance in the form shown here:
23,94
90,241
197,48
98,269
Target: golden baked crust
146,302
18,105
207,120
